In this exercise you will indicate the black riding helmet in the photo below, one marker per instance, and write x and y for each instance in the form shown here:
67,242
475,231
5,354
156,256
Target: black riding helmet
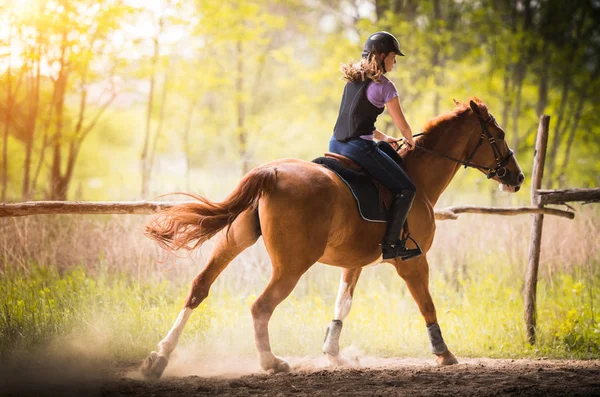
381,42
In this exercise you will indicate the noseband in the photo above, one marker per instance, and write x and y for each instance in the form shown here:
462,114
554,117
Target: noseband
500,170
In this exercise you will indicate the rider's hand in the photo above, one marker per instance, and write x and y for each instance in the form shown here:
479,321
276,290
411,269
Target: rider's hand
392,141
410,142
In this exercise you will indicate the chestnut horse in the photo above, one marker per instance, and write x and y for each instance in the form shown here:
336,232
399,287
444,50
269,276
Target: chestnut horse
306,214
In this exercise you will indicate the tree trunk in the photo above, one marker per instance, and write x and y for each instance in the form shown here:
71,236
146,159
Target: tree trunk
527,56
579,20
186,142
583,95
45,143
407,8
57,184
519,78
239,91
436,61
161,117
543,87
145,163
80,133
572,132
506,102
34,95
66,179
9,103
380,8
558,130
28,142
74,145
82,103
516,110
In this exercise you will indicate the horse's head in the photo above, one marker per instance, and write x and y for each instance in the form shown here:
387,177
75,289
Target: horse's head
489,152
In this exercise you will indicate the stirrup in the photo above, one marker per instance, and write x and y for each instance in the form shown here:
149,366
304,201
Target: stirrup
399,250
410,253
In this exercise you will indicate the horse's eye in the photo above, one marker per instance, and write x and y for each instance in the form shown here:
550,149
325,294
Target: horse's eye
501,135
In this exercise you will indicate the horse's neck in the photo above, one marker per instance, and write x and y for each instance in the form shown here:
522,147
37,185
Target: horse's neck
432,174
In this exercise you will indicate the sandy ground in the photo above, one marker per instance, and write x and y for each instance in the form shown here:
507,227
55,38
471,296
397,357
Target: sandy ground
312,377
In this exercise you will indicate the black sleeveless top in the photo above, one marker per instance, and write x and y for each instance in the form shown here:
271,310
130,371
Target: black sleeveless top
357,114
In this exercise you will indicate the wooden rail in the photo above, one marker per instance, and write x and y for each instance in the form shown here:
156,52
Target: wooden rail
150,207
453,212
85,207
543,197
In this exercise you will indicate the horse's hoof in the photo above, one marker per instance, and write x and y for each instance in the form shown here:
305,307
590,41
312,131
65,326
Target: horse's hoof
446,358
153,366
273,364
280,365
341,361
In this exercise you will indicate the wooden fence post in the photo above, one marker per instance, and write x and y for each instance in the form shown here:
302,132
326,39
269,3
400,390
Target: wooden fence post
531,276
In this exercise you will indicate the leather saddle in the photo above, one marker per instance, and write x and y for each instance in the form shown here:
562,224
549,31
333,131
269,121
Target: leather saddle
372,197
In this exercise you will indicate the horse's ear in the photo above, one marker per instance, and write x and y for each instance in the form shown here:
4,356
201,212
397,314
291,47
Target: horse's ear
474,107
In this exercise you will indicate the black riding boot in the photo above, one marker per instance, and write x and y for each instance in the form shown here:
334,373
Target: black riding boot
392,245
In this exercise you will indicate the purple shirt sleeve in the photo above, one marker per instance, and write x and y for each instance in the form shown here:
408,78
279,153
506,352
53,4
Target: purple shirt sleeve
381,93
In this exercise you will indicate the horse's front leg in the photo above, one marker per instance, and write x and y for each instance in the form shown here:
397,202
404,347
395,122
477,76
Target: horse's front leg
416,275
343,304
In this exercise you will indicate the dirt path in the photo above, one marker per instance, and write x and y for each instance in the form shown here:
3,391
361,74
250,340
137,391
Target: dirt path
373,377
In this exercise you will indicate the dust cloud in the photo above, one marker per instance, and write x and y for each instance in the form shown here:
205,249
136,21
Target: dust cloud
67,367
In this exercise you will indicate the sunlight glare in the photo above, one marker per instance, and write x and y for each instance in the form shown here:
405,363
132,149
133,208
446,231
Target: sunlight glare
23,7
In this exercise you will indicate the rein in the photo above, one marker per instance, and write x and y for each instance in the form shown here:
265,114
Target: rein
500,170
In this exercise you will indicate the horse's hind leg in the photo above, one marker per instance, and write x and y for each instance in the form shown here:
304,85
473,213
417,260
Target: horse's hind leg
343,303
416,275
294,241
281,284
243,233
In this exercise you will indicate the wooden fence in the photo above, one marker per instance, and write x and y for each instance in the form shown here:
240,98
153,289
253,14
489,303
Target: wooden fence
149,207
539,200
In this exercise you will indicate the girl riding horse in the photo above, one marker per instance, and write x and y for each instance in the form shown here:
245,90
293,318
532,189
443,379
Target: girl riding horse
366,94
306,214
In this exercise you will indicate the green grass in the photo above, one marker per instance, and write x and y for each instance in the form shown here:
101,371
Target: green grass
480,315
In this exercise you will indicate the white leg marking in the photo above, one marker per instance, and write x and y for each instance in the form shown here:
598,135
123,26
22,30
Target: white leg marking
168,344
343,302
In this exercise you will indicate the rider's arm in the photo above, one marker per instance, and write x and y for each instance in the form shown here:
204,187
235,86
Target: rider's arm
380,136
393,106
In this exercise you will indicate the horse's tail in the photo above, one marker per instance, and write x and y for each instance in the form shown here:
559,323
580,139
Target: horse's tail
178,226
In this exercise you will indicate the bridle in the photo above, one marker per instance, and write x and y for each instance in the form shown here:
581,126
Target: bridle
500,170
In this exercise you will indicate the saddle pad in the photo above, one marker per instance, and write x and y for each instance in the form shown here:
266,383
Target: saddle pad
363,189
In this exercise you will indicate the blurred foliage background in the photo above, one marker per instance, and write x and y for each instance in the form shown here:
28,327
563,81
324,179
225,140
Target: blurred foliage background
131,99
126,99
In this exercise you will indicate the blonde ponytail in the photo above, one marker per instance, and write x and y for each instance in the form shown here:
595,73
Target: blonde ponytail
364,69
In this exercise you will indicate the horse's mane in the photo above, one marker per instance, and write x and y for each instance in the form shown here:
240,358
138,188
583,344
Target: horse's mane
439,124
